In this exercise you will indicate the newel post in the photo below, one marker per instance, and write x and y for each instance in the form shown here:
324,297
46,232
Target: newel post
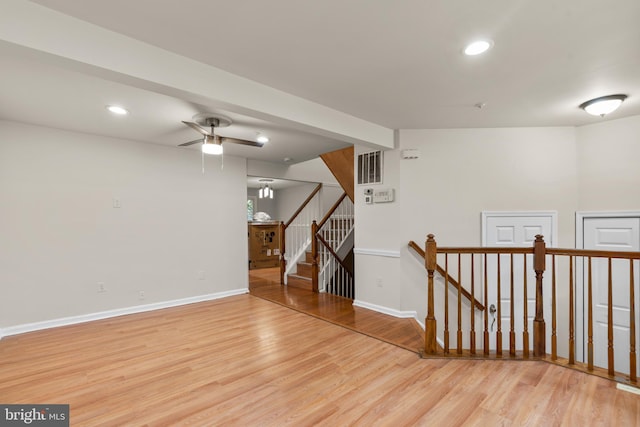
430,344
539,256
314,256
283,262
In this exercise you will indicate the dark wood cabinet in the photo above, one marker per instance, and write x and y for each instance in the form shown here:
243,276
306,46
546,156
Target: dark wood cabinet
264,244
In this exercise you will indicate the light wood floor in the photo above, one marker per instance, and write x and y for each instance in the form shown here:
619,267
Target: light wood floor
244,361
405,333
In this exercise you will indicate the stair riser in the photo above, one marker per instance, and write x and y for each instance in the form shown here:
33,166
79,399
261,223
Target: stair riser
304,269
294,282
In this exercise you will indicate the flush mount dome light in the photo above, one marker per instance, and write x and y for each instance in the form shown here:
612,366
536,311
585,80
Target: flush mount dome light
477,47
603,105
117,110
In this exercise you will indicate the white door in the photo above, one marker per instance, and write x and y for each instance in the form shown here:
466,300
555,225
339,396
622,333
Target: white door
514,230
611,234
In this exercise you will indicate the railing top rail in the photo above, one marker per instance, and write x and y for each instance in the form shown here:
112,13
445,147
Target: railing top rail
303,205
484,250
529,250
592,253
331,211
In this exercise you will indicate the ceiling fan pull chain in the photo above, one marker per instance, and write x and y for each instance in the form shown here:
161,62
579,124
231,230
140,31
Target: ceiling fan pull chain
202,152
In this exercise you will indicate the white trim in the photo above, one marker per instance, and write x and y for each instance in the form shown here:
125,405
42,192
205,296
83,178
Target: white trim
552,214
628,388
65,321
386,310
377,252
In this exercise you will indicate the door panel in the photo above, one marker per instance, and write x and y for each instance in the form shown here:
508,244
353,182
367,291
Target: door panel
611,234
514,231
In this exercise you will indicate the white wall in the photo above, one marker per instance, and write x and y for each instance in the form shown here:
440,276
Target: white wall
267,205
308,173
378,240
609,165
287,200
460,173
463,172
61,235
290,199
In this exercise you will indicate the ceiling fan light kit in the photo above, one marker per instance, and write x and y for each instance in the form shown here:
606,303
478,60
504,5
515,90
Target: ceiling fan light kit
603,105
211,148
211,142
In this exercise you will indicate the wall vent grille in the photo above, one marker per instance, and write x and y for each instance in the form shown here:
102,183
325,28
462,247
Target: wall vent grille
370,168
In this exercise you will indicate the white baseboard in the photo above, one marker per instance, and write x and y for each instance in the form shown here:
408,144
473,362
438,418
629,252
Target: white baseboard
628,388
395,313
54,323
386,310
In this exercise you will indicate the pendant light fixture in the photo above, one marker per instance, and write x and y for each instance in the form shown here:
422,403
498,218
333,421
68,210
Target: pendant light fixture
265,192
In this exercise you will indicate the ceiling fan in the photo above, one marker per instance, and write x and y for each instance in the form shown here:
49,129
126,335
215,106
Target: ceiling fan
212,143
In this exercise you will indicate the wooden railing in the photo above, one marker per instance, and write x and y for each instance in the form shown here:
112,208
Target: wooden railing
330,270
453,282
612,268
570,269
294,234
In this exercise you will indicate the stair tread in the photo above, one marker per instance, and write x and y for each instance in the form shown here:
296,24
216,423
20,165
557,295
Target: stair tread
295,276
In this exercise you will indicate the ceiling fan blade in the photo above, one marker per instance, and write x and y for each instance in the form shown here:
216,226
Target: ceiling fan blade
195,141
242,142
197,128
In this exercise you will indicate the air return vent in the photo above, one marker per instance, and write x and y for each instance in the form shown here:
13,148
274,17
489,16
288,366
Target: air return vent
370,168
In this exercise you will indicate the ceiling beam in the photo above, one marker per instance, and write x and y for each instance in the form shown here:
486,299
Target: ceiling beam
84,47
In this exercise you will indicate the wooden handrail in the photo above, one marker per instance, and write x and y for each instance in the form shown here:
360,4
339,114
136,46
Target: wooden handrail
483,250
335,255
331,211
413,245
548,251
593,253
303,205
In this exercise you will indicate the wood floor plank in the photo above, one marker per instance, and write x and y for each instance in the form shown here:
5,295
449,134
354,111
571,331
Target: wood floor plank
405,333
244,361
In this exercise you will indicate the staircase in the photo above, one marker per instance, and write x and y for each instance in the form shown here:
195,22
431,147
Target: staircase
328,242
302,278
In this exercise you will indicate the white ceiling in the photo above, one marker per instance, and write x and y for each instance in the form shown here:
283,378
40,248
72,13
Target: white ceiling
35,91
394,64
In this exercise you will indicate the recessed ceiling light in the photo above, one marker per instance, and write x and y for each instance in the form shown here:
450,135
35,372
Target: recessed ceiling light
262,138
603,105
478,47
117,110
